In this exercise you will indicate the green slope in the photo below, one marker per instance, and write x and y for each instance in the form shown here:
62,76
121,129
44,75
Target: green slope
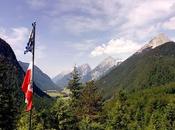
152,67
148,109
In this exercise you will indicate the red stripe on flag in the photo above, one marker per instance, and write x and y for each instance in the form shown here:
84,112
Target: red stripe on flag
27,88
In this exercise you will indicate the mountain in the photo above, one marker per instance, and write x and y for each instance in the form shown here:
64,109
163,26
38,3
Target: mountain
42,80
84,70
87,73
60,76
62,80
156,41
154,65
11,71
105,66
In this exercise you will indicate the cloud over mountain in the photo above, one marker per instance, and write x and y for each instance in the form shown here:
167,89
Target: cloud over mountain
116,46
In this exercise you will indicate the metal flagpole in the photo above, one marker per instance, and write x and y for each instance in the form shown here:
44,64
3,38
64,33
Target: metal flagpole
33,58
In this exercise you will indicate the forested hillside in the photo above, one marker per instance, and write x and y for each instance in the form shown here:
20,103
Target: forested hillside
152,67
11,96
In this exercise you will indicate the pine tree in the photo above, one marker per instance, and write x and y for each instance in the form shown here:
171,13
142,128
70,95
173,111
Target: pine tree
118,118
90,109
74,84
91,100
62,114
75,87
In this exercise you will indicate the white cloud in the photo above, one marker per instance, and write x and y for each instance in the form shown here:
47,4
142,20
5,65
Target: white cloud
116,46
81,24
81,16
170,24
146,12
18,38
37,4
15,36
117,16
91,7
140,34
84,46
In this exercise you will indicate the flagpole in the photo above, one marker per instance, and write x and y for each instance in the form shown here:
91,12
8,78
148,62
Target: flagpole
33,59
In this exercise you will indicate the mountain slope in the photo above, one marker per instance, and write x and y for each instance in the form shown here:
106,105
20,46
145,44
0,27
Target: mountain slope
8,58
156,41
62,80
104,67
41,79
60,76
151,67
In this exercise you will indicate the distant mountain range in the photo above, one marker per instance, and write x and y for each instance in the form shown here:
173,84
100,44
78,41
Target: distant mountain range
42,80
152,65
86,73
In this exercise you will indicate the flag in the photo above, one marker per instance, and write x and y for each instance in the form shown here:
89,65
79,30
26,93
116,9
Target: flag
27,87
30,44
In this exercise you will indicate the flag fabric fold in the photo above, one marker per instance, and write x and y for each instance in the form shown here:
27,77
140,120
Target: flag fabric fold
27,87
30,44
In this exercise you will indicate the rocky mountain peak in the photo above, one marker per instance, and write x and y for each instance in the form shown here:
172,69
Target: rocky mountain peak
155,42
84,69
107,62
103,67
109,59
158,40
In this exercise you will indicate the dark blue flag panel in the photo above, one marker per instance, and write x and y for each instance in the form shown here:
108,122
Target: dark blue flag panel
30,44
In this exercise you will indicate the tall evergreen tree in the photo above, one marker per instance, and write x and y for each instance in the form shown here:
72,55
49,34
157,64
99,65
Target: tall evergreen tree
91,100
75,87
90,109
118,117
74,84
9,100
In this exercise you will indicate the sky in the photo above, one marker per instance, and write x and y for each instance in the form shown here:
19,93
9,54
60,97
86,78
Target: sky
70,32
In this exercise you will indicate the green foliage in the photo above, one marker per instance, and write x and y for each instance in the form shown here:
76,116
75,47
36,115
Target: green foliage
63,116
23,122
118,115
9,96
149,109
170,116
90,109
87,124
57,115
91,101
74,84
82,111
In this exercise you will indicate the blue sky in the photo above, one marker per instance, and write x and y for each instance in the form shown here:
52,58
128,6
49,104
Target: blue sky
73,32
